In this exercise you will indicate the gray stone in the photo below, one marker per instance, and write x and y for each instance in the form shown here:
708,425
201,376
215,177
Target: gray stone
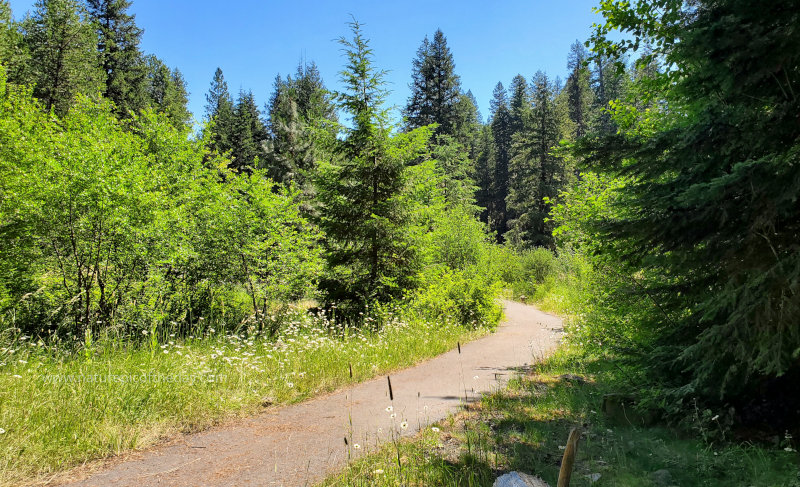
519,479
662,478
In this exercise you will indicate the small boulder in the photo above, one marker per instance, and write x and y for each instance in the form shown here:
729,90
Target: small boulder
519,479
662,478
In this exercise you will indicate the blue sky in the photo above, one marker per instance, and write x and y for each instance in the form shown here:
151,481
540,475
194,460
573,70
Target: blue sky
252,41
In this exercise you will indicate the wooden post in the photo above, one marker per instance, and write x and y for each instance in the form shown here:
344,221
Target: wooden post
568,462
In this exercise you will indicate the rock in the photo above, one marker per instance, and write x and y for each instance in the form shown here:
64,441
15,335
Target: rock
594,477
572,378
267,402
661,478
519,479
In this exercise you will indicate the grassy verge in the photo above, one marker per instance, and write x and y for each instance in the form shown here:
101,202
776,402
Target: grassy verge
64,403
525,427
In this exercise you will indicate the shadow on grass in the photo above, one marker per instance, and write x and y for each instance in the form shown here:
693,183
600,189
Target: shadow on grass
525,428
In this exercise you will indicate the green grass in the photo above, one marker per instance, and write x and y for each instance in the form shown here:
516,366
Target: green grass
62,404
522,428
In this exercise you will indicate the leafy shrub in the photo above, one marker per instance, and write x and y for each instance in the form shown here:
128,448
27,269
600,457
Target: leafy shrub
466,296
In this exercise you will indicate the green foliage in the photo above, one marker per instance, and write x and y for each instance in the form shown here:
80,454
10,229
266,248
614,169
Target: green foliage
166,90
64,61
301,113
499,159
435,89
465,295
105,224
537,172
125,70
364,209
707,223
219,114
249,134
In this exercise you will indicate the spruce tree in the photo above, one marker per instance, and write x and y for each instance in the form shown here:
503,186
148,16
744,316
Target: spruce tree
579,93
435,88
362,213
122,61
520,104
249,136
536,173
14,55
64,60
300,111
708,223
502,131
219,113
166,91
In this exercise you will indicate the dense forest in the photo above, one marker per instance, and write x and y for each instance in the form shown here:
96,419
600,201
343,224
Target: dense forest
656,186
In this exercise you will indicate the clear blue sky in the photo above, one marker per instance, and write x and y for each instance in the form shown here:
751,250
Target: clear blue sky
252,41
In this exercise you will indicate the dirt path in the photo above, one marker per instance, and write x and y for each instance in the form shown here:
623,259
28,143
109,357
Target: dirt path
298,445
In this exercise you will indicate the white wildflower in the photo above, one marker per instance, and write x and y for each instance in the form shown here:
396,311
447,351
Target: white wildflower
404,425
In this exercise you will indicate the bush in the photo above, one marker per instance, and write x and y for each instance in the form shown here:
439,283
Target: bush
466,296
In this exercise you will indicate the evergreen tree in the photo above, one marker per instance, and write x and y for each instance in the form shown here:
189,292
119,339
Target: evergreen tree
219,113
578,87
166,90
435,88
484,172
709,221
520,104
363,215
64,60
300,111
536,173
467,128
123,63
249,136
502,131
14,55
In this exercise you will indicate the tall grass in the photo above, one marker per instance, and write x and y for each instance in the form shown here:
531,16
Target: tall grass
525,428
65,402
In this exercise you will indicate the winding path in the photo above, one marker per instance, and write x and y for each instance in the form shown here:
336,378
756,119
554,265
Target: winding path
300,444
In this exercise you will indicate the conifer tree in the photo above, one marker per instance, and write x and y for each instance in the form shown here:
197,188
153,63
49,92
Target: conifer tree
300,111
14,55
122,61
709,220
579,93
502,131
166,90
536,173
64,60
219,112
249,136
520,104
363,215
435,88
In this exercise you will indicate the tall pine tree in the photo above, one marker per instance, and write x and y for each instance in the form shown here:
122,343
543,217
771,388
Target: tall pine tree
249,136
502,131
536,172
301,111
579,92
122,61
219,114
63,47
363,214
435,88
